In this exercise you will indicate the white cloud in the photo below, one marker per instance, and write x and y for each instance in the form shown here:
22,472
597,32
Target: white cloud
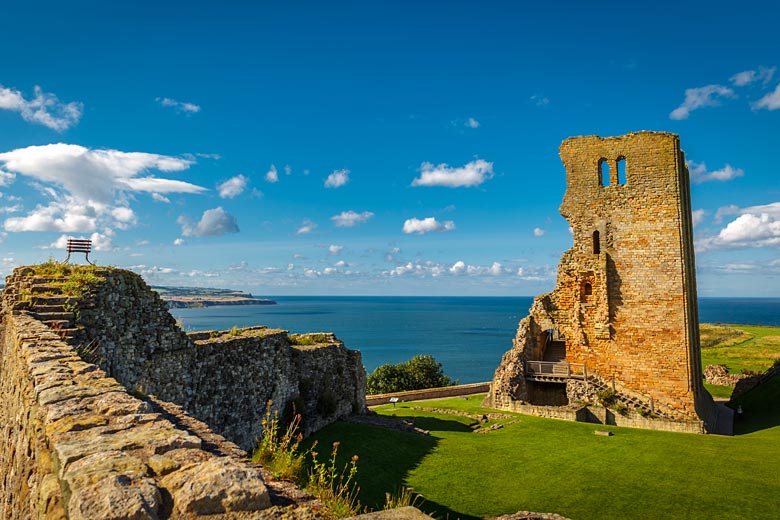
539,100
272,175
495,269
538,232
89,187
426,225
756,226
458,267
100,241
695,98
472,123
746,77
160,198
287,169
351,218
700,174
6,178
45,109
307,227
771,101
472,174
698,216
179,242
180,106
213,222
337,179
334,249
232,187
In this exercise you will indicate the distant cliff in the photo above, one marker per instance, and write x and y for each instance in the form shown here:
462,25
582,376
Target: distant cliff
196,297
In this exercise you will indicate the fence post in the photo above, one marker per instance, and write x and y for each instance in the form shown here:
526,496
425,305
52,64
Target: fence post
652,406
585,372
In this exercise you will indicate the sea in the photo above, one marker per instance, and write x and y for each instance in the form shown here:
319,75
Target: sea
468,335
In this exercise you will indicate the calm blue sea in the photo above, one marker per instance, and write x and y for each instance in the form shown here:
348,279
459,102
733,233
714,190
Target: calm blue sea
468,335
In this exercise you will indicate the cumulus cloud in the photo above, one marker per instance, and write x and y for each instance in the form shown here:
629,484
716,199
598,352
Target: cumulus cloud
538,232
472,174
287,169
179,242
472,123
89,187
307,227
180,106
770,102
351,218
746,77
334,249
426,225
698,216
6,178
540,101
700,97
44,108
272,175
213,222
232,187
700,174
756,226
100,241
337,179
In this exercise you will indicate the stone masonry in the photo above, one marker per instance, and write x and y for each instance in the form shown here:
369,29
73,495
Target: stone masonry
625,300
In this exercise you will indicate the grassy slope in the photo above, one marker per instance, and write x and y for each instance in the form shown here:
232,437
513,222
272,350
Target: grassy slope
556,466
756,349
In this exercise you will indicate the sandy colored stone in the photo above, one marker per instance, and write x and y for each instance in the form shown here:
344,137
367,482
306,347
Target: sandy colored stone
98,466
241,488
76,423
116,497
162,465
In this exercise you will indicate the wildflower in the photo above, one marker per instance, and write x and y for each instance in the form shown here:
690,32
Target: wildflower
354,458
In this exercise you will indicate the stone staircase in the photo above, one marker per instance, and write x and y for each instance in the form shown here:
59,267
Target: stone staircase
630,399
42,298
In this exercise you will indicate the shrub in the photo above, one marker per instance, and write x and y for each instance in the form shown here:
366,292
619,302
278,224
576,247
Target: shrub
416,374
606,397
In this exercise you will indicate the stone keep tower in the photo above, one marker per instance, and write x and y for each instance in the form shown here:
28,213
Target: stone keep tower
624,309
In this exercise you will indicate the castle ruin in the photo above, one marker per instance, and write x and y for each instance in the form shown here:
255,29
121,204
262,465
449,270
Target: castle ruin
623,319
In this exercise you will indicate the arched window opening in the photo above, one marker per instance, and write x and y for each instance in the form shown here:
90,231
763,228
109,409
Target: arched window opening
596,243
621,170
588,289
603,172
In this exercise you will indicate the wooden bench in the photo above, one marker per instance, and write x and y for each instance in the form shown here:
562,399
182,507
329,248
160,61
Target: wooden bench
78,245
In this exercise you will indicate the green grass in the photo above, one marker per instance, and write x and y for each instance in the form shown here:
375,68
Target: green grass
556,466
719,391
754,349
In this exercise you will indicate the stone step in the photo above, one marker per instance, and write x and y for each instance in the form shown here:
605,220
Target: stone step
53,289
53,316
45,300
46,308
47,280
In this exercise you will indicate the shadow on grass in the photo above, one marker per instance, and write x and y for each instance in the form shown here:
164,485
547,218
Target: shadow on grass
440,512
385,458
760,409
435,424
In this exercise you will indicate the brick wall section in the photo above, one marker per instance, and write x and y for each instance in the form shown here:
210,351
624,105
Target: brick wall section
639,324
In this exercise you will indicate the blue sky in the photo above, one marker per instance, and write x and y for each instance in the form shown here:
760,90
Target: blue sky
374,147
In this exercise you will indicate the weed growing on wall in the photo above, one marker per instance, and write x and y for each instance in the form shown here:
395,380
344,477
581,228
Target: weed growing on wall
278,450
335,487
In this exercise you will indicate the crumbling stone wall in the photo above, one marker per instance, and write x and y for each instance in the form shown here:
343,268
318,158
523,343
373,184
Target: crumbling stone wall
224,379
625,299
74,444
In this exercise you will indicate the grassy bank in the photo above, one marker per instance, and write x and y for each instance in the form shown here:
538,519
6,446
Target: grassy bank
739,347
555,466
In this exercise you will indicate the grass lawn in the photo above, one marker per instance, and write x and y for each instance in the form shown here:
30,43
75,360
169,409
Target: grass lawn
548,465
739,347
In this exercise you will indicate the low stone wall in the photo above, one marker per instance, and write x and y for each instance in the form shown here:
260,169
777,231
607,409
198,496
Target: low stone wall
74,444
429,393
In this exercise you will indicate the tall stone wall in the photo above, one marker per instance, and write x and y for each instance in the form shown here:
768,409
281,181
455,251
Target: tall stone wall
74,444
625,299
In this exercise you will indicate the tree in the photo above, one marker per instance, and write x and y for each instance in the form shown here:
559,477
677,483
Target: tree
419,372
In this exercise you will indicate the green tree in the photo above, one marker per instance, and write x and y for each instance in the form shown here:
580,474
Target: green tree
419,372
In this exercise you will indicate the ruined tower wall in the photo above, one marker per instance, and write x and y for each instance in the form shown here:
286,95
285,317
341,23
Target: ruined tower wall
638,325
624,304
